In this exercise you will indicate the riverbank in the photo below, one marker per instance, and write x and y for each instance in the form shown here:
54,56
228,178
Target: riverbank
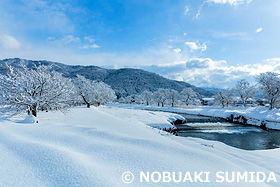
94,147
257,116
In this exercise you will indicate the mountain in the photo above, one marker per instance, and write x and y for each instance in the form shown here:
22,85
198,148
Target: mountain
126,81
212,89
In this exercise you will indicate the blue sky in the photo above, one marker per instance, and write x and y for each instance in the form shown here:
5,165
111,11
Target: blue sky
208,43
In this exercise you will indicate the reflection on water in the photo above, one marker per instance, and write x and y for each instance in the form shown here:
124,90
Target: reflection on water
239,136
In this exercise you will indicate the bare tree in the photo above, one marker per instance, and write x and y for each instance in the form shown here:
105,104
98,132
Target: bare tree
269,82
245,91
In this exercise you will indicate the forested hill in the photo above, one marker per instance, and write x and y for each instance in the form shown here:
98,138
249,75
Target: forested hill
124,81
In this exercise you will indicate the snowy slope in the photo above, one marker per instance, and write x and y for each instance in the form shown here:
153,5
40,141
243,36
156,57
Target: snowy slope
159,120
93,147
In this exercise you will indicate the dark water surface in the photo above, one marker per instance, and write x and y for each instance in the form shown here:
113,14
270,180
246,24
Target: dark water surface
239,136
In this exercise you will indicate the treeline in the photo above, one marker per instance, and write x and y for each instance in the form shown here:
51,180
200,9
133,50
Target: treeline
162,96
268,85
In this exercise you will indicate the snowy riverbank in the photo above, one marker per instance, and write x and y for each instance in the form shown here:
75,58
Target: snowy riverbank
253,115
93,147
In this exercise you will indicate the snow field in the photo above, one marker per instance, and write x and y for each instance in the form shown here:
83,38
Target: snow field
93,147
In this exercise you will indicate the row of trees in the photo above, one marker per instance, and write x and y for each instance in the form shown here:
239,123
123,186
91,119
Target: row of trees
244,90
29,90
268,83
162,96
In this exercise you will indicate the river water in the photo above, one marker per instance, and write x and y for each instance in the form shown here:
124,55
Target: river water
239,136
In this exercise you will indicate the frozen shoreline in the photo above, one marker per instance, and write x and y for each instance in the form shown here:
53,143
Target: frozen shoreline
256,116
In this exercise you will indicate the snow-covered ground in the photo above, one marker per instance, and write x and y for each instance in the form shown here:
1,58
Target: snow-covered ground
255,115
94,147
159,120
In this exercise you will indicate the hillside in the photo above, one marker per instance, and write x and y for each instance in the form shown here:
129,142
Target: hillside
124,81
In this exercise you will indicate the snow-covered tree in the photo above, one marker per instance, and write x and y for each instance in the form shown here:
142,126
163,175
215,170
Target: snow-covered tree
224,97
269,82
33,89
245,91
138,99
103,93
161,96
188,96
173,96
129,99
85,89
93,92
121,100
147,97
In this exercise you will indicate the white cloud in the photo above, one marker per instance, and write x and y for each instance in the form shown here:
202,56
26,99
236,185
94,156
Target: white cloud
206,72
41,14
185,34
203,63
93,46
259,30
230,2
50,39
69,38
198,11
230,35
65,40
177,50
9,42
187,9
223,2
196,46
89,39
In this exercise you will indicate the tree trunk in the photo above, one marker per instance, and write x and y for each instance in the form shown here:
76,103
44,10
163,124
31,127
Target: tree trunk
172,104
34,112
271,104
162,105
87,103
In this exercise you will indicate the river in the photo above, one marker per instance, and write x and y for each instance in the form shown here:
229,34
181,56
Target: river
236,135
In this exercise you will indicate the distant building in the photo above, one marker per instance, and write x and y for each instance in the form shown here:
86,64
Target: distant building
262,102
250,102
207,101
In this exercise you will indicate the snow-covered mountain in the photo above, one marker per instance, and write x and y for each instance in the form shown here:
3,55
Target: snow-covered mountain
124,81
212,89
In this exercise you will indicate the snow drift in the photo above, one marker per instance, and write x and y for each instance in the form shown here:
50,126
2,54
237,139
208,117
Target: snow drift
93,147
